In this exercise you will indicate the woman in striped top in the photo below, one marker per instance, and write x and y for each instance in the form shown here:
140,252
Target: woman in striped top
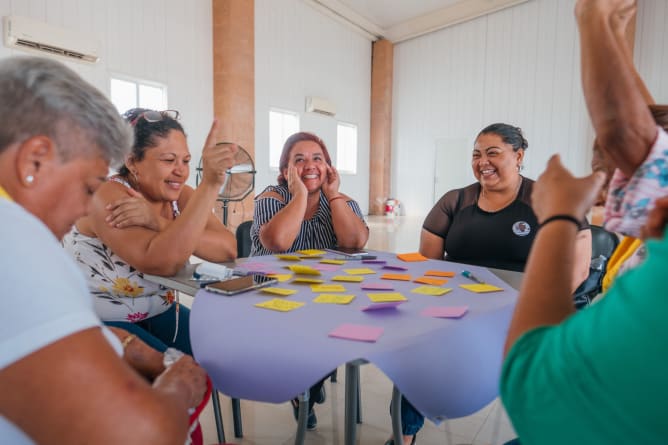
306,211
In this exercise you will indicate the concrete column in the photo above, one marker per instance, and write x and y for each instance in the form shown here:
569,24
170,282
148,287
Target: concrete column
380,156
234,84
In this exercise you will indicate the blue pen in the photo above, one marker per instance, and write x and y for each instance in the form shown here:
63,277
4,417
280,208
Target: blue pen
472,277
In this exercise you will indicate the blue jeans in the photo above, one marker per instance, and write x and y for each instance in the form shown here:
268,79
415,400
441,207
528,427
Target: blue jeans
411,419
158,331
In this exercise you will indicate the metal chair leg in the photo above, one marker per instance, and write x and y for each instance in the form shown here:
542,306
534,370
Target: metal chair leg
359,399
236,415
395,409
332,376
217,416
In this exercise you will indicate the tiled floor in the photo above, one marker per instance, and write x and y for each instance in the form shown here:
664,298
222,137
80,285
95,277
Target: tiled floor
270,424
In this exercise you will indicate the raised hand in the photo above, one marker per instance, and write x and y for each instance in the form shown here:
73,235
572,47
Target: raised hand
133,210
558,192
332,182
216,159
295,184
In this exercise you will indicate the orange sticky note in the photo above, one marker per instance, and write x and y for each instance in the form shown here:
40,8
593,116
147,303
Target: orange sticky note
439,273
431,281
410,257
396,276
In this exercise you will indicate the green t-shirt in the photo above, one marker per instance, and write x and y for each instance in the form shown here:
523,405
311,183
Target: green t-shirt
601,376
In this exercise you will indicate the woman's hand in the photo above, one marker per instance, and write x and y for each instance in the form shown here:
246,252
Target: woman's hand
216,159
132,211
558,192
295,184
184,376
332,182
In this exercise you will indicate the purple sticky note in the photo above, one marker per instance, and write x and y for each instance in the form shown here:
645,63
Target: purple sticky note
326,267
374,261
377,286
357,332
383,305
445,312
394,267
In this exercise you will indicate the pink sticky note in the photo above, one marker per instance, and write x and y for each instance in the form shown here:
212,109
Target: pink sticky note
357,332
377,286
394,267
383,305
326,267
445,312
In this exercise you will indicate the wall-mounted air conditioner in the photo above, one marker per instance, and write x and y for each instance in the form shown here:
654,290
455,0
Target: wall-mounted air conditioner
32,35
319,105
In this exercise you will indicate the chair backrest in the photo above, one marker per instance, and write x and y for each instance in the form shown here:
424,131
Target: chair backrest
602,242
244,239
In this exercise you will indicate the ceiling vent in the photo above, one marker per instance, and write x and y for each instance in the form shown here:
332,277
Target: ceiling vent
31,35
320,105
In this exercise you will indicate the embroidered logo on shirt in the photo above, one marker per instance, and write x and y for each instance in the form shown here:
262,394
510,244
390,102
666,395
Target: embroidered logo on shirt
521,228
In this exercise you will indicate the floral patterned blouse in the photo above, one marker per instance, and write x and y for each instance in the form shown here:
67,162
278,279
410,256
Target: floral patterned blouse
121,292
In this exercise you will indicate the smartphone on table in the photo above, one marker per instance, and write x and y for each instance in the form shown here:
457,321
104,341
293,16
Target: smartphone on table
237,285
352,254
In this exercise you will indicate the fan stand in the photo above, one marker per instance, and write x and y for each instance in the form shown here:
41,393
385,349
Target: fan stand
225,204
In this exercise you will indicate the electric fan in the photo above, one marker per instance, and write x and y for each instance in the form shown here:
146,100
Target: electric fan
240,179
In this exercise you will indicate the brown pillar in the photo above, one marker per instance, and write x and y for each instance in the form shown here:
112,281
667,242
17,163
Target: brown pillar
380,159
234,84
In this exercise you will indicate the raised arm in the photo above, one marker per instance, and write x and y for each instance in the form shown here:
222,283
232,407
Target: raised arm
545,296
617,104
350,229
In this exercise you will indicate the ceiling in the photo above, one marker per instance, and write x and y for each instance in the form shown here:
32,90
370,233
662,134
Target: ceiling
398,20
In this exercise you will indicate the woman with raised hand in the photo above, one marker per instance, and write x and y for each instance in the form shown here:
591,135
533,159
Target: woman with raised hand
146,219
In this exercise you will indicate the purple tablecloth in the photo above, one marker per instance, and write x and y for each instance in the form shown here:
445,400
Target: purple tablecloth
447,368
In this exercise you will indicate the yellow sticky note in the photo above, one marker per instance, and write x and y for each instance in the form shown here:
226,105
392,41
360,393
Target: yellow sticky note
305,280
311,252
396,276
348,278
431,281
304,270
278,291
281,277
334,298
337,262
359,271
285,257
431,290
381,297
439,273
277,304
480,287
328,288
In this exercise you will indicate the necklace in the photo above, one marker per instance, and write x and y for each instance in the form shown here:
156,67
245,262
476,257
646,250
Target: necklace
505,203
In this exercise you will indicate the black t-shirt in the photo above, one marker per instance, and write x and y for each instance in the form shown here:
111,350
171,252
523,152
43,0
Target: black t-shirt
499,239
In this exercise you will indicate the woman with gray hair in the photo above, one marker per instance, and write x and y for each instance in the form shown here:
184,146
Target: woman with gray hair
57,139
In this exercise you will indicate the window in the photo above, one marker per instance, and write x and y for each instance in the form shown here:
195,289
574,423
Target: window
282,124
127,93
346,148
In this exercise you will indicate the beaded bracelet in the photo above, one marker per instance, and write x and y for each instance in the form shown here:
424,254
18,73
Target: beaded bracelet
560,217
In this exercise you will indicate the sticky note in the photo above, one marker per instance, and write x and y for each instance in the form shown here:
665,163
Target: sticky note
394,267
357,332
281,277
304,270
377,286
445,312
379,306
348,278
311,252
381,297
431,290
310,257
431,281
285,257
374,261
326,267
334,298
360,271
278,291
439,273
396,276
328,288
328,261
277,304
481,288
306,280
411,257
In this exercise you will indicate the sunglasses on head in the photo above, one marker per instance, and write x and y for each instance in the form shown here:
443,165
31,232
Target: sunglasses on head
156,116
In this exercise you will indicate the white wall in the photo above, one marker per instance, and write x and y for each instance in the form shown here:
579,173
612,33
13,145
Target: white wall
651,51
519,66
300,52
166,41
